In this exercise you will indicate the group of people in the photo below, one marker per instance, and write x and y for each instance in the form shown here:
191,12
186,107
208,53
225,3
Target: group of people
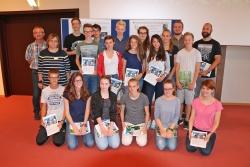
71,93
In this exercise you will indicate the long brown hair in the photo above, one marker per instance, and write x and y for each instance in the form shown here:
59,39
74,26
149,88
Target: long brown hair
171,45
140,52
146,42
71,91
160,54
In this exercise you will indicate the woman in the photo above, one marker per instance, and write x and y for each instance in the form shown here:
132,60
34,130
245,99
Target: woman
103,104
77,110
167,112
134,57
170,50
205,117
156,59
143,34
110,61
53,58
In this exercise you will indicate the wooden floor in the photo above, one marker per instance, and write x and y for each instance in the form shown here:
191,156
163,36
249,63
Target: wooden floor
18,131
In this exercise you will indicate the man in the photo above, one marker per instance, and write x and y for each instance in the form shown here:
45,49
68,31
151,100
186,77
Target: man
120,39
86,54
134,111
97,37
211,56
52,103
188,62
31,56
71,41
177,37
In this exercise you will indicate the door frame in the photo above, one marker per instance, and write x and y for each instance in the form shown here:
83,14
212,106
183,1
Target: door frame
3,44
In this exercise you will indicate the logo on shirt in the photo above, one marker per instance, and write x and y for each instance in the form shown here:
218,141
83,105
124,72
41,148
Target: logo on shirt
74,44
205,50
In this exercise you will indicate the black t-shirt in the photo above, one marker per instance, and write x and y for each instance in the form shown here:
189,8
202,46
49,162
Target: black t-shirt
70,42
208,51
171,54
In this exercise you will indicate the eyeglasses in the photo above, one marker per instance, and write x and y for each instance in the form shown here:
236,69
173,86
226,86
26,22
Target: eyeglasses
143,33
168,89
78,81
88,31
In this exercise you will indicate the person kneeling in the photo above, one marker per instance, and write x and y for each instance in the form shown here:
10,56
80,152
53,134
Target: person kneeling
204,120
77,109
167,113
134,115
103,104
52,104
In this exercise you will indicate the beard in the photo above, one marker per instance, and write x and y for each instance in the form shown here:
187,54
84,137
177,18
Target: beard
179,33
205,34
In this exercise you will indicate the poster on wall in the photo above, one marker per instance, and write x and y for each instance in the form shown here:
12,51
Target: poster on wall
108,26
154,26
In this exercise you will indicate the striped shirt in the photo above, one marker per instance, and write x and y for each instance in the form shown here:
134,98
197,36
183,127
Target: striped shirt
59,60
32,53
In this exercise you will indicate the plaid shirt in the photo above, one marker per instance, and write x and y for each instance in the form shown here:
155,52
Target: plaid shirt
32,53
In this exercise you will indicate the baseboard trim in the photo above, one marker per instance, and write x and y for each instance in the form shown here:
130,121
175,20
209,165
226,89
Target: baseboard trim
237,104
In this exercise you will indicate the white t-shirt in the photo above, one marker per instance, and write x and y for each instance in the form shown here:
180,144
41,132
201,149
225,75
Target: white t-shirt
111,64
188,59
54,100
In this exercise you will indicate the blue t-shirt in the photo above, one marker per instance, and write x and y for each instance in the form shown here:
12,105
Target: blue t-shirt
132,61
76,108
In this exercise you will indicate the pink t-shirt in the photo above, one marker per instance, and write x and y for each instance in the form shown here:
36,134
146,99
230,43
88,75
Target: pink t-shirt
205,114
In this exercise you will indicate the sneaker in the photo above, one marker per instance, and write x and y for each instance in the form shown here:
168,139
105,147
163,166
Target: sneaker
185,125
37,116
153,124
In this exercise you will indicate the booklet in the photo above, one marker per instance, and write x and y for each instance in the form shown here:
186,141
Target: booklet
198,139
51,124
79,126
158,133
116,85
134,130
88,65
106,125
130,73
204,66
185,78
153,74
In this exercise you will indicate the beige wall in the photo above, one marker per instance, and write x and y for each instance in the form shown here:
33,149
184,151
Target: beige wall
22,5
236,81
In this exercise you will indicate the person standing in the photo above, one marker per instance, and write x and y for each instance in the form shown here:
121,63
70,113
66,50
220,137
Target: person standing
71,41
211,55
31,56
120,39
177,37
88,49
97,30
188,62
53,58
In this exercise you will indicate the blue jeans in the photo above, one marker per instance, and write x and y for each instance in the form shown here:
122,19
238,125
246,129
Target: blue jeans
149,90
72,140
165,143
92,82
102,143
36,92
203,151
